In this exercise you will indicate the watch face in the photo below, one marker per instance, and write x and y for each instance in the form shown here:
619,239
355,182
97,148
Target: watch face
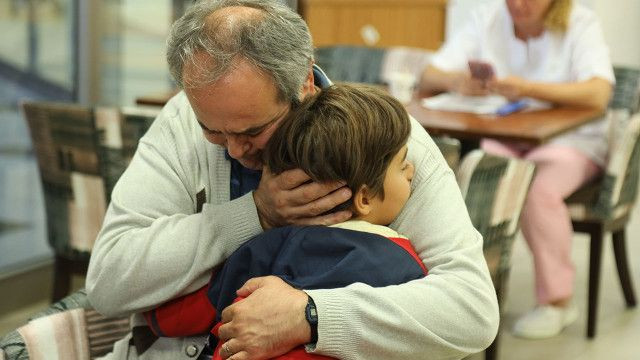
311,312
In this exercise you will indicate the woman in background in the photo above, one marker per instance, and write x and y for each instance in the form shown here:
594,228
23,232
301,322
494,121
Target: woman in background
550,50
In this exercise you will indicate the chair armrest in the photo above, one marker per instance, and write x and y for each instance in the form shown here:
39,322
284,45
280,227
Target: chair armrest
13,345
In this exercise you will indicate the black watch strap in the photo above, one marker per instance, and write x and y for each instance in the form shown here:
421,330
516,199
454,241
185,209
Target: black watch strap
311,314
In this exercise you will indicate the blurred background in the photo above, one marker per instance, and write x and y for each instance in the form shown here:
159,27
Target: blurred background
111,52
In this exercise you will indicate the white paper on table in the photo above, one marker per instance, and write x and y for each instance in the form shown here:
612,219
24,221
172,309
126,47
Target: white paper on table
482,105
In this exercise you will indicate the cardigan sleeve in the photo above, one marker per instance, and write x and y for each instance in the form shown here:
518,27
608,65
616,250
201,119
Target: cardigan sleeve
154,245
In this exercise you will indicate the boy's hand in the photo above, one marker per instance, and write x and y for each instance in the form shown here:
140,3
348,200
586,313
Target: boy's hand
291,198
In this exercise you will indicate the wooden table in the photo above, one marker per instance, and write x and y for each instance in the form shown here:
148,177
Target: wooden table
535,127
159,99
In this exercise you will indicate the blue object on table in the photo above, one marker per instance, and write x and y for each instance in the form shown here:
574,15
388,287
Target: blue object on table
511,107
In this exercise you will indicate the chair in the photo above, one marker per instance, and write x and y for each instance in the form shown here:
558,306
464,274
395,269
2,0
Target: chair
369,64
605,204
450,149
351,63
494,189
68,329
80,152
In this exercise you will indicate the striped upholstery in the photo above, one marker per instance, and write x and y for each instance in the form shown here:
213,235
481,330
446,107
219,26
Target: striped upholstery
494,189
81,153
450,149
605,204
613,195
66,144
69,329
626,94
370,64
351,63
103,332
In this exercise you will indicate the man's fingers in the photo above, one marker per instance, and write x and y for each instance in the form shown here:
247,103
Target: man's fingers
308,193
325,198
252,285
291,179
242,355
232,349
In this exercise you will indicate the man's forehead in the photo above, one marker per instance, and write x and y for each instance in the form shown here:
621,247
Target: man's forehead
240,72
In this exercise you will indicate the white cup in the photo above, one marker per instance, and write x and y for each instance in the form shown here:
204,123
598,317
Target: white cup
401,86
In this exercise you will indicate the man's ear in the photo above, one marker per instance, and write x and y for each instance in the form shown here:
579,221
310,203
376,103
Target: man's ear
362,201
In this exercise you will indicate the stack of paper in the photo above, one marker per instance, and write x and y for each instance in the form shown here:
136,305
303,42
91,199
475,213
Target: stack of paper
483,105
471,104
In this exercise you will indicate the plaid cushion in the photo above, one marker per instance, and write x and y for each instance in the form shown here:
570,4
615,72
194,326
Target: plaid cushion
614,194
450,149
81,153
494,189
69,329
351,63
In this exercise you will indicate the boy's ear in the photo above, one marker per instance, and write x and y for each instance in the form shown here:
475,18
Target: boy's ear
362,201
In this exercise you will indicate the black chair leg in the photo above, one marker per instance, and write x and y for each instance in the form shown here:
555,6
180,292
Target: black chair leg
595,257
620,252
61,279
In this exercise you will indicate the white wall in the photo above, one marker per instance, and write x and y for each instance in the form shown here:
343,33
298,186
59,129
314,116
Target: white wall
620,21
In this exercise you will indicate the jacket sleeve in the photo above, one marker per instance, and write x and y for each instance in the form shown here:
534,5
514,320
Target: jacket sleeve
449,314
153,246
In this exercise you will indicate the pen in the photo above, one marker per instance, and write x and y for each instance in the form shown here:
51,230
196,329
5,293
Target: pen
511,107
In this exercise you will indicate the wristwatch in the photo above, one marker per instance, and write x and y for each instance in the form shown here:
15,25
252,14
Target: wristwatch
311,314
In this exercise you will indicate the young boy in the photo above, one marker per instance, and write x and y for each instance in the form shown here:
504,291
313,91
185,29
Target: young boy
352,133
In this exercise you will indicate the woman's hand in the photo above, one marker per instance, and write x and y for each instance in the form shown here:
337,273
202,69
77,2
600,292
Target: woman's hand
468,85
511,87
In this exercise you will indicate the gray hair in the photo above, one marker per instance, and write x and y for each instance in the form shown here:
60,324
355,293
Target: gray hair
277,41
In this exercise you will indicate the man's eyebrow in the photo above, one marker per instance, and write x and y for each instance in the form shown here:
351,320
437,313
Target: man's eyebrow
205,128
253,130
259,128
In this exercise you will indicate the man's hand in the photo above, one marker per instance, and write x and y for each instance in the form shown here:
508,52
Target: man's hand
511,87
269,322
290,198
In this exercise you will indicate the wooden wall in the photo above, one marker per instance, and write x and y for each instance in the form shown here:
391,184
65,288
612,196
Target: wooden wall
415,23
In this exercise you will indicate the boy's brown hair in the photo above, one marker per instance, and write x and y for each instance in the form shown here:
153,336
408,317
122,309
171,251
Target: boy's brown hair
344,132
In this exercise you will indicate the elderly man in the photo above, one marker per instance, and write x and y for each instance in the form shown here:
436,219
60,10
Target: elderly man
195,191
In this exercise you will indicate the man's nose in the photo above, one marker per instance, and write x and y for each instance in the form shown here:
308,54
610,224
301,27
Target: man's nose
237,147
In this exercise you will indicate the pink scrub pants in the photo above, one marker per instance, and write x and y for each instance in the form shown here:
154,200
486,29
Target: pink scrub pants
545,219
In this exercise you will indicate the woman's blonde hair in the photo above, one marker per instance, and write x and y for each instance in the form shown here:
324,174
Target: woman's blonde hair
557,18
